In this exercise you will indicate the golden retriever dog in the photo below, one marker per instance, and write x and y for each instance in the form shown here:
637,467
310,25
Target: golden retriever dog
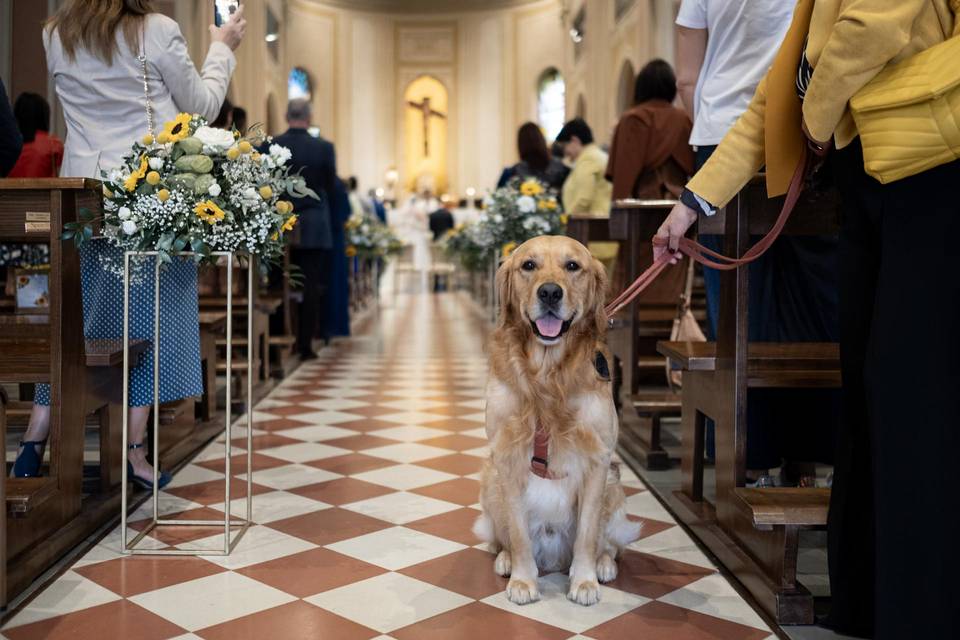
551,498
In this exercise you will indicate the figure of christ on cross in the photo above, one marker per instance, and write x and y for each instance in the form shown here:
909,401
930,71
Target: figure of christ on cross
427,112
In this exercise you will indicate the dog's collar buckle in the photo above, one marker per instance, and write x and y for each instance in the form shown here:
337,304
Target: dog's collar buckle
540,461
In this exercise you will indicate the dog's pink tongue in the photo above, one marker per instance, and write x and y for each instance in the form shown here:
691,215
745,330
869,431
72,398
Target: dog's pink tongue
549,326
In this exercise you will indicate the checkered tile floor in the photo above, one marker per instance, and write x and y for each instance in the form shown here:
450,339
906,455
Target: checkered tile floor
365,488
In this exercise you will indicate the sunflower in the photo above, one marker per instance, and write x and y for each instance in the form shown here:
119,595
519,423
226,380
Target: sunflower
135,177
209,212
531,188
508,248
178,128
289,224
564,219
350,251
547,205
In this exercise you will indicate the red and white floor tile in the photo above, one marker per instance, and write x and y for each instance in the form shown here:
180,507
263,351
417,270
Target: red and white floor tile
365,488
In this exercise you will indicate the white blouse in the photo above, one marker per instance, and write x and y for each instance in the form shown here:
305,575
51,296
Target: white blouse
103,105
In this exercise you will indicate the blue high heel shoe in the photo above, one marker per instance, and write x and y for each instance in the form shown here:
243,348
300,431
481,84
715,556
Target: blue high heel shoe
29,459
163,478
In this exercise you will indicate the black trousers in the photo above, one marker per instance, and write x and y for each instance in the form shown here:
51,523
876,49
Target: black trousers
893,514
315,265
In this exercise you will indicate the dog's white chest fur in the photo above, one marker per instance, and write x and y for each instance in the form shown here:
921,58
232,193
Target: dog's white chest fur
551,508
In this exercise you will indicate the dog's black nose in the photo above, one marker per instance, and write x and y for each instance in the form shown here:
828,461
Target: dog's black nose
550,293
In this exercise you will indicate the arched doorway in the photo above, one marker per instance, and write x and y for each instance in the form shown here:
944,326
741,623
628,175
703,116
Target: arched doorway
628,78
551,102
426,109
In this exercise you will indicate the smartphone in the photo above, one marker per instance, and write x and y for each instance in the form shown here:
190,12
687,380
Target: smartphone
222,10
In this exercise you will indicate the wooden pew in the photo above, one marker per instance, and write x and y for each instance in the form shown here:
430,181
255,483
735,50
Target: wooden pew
54,352
754,532
637,328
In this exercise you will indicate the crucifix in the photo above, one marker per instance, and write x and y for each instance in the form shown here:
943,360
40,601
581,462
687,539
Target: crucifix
427,112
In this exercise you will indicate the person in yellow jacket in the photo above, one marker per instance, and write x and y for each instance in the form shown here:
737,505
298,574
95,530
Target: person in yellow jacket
891,534
586,190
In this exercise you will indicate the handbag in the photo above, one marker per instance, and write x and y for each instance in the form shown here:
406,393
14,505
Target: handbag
908,116
685,329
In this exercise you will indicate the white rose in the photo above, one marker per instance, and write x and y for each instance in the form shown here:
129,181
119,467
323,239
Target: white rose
526,204
129,227
219,139
250,194
280,154
123,213
156,163
214,190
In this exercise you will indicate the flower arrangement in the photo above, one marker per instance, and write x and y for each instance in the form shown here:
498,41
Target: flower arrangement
524,208
368,237
193,187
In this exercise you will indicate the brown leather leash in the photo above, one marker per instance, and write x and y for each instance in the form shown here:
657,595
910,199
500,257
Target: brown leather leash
710,258
540,462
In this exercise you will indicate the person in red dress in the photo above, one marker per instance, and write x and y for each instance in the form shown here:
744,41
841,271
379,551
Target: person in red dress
42,153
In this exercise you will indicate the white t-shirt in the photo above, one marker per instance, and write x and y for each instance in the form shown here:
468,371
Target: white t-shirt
743,37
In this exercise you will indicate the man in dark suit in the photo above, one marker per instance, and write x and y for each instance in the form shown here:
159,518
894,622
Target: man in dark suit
313,239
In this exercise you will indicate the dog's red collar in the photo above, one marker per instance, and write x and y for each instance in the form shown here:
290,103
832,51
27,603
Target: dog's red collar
540,462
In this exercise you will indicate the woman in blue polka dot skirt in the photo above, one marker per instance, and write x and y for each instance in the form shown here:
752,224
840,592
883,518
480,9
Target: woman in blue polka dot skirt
103,118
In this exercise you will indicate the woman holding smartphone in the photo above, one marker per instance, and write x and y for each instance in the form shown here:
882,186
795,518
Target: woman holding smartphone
113,62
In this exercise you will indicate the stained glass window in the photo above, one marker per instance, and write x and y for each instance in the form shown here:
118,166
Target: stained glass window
298,84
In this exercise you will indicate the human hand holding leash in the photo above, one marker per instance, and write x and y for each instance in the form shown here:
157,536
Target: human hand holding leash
675,227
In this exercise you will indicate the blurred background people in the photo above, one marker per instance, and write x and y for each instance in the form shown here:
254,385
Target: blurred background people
650,156
586,190
10,139
312,246
42,153
535,159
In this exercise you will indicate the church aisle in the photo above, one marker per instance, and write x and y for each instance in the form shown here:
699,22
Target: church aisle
365,479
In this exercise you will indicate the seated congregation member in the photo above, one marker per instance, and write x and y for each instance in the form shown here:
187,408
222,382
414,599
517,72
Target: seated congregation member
42,153
891,530
10,139
102,39
586,190
650,157
313,236
535,159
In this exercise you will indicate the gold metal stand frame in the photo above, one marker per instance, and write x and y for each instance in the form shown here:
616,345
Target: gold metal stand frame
130,548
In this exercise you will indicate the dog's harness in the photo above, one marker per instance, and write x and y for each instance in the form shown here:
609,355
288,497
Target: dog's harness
540,462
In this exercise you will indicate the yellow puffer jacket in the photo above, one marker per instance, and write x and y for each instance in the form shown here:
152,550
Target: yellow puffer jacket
849,43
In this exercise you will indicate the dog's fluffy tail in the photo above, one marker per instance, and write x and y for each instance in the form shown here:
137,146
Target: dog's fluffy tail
483,529
621,531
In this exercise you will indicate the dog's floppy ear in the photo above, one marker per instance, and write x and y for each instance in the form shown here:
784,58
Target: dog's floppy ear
599,296
505,290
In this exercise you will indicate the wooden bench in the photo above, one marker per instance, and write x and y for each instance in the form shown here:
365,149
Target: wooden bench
753,532
637,328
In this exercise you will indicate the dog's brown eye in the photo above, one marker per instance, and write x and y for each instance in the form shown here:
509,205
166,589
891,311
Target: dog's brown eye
573,266
528,265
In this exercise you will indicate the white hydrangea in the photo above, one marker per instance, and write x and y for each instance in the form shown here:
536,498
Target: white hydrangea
280,154
526,204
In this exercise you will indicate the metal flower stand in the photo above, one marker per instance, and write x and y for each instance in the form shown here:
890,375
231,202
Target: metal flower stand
241,526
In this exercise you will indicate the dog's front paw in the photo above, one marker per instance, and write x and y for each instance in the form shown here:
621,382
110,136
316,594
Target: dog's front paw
503,565
585,592
606,568
521,591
